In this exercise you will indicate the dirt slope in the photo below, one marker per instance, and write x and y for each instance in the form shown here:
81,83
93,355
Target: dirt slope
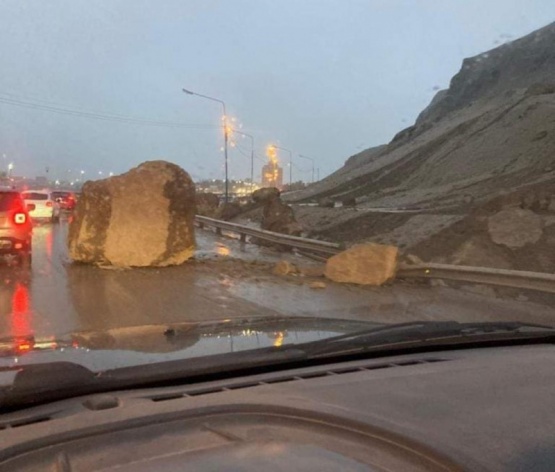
491,132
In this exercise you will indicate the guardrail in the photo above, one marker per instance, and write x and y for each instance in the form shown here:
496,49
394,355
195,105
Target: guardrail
483,275
313,245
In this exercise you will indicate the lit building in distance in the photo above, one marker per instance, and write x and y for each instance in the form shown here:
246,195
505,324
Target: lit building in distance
272,173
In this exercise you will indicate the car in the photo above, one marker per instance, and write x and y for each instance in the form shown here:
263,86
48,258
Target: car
66,200
16,228
45,205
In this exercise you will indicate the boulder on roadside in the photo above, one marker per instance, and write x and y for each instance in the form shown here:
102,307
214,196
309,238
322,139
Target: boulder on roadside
363,264
266,194
326,203
142,218
284,268
279,217
207,204
230,210
349,202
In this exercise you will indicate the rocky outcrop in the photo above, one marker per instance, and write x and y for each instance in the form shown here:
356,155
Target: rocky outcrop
277,216
490,132
265,194
363,264
139,219
522,63
207,204
229,210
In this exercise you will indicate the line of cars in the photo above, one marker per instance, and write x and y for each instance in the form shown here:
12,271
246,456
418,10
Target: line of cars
17,212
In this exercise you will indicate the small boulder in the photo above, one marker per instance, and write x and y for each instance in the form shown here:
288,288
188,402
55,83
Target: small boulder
266,194
139,219
363,264
349,202
284,268
326,203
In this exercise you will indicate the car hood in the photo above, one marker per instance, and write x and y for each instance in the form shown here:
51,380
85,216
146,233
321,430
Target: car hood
147,344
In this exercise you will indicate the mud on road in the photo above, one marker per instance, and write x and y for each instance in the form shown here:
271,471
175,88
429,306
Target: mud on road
227,279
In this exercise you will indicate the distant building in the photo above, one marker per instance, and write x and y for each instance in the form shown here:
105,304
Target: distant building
272,175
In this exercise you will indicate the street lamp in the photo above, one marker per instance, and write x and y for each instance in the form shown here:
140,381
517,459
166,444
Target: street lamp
252,152
290,162
311,159
189,92
10,168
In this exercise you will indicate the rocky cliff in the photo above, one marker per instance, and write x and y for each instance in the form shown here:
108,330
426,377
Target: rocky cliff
491,132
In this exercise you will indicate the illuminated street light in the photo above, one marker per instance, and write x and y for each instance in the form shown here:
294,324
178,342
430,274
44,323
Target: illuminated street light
290,162
226,131
10,168
311,159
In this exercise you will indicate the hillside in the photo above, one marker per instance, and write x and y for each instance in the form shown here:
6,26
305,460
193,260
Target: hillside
492,131
471,182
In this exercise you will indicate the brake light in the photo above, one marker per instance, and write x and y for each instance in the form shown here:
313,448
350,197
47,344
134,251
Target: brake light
24,346
20,218
49,203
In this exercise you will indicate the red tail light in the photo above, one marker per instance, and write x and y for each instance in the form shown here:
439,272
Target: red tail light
20,218
23,346
49,204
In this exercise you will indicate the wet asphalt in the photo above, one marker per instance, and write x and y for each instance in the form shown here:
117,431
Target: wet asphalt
227,279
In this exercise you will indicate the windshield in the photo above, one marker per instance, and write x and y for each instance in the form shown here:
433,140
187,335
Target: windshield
243,163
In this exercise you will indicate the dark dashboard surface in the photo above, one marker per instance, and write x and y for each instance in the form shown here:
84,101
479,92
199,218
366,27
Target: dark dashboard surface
480,409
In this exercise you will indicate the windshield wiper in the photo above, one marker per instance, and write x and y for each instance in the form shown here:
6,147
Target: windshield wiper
42,383
426,333
47,382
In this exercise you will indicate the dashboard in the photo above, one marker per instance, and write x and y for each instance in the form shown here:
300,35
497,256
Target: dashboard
486,409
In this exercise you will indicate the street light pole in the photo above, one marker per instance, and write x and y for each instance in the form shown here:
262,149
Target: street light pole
312,160
290,163
252,152
221,102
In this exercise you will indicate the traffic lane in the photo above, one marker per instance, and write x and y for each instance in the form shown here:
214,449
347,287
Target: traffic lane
56,296
228,279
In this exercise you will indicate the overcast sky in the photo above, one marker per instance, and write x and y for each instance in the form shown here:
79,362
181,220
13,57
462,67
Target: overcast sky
323,78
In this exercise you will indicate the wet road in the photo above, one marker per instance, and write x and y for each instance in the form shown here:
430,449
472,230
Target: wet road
227,279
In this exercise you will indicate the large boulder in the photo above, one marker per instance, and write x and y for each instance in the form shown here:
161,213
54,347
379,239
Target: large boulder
363,264
280,218
265,194
230,210
139,219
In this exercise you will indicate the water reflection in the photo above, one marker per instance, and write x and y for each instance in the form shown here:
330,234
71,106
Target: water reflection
21,315
120,347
